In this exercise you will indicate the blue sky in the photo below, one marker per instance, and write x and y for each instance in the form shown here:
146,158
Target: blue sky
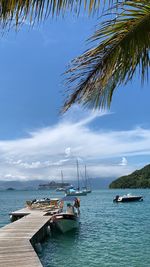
35,141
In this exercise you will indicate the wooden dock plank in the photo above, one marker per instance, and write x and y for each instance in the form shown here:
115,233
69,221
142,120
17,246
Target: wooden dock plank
15,246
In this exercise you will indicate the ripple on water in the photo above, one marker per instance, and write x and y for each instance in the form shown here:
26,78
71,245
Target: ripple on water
110,234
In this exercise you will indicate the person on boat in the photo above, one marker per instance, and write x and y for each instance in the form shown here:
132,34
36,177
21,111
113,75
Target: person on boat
77,205
61,204
70,209
116,198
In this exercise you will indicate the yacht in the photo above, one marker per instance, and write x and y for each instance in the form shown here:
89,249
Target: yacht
87,189
75,192
62,188
78,191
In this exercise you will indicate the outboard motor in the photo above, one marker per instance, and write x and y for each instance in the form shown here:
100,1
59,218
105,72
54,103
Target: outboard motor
116,198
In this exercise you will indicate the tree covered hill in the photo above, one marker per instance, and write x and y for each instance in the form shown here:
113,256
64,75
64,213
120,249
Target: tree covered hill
137,179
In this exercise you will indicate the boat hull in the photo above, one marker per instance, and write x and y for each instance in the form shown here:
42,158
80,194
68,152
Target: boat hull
129,199
66,222
76,194
60,190
87,191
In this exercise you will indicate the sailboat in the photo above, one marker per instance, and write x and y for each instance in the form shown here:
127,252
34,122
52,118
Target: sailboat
60,189
86,188
78,191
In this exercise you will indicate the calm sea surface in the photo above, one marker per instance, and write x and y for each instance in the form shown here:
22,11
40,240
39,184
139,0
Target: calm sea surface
110,234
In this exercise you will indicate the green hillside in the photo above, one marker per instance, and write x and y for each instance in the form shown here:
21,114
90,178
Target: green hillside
137,179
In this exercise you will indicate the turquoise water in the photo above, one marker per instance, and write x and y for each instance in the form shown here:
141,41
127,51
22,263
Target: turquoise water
110,234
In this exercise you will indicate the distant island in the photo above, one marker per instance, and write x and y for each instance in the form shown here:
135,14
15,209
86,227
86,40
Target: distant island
52,185
137,179
10,188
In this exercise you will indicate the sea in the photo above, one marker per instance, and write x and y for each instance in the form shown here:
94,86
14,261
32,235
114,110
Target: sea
110,234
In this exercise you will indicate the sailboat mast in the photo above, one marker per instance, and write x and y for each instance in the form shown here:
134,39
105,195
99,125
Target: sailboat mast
85,178
78,174
62,179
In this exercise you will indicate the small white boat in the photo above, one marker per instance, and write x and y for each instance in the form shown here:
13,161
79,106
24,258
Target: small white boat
64,189
127,198
69,219
60,189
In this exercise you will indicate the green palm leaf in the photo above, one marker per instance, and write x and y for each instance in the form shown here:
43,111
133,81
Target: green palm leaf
124,44
19,10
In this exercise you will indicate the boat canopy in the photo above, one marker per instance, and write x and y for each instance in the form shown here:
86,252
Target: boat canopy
69,198
71,190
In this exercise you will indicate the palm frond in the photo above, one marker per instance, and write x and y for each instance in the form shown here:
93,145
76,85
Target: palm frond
124,44
11,10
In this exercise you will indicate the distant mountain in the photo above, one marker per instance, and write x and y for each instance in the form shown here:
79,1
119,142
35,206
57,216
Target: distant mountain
20,185
96,183
101,183
137,179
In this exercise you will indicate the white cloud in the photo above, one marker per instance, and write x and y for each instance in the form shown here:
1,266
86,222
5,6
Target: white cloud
68,152
123,162
46,151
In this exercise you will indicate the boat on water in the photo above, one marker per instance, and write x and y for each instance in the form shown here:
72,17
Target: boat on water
62,188
127,198
68,219
75,192
78,191
87,188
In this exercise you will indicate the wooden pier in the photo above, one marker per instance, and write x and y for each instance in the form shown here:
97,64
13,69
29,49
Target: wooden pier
18,239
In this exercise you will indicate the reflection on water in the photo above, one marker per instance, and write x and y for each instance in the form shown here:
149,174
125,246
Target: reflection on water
62,244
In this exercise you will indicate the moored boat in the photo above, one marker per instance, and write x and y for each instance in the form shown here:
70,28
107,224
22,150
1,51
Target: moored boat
62,188
88,191
69,219
127,198
75,192
78,191
87,188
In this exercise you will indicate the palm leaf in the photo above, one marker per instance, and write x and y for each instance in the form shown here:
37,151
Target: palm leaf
124,43
19,10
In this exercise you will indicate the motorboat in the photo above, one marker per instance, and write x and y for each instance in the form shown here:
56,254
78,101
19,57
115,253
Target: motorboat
127,198
64,189
68,219
60,189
